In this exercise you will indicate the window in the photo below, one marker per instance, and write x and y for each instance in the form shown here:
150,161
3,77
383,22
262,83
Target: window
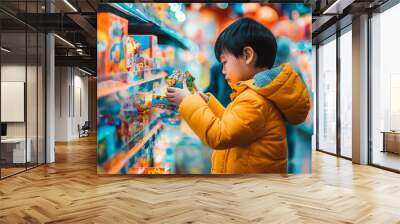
385,89
327,96
346,93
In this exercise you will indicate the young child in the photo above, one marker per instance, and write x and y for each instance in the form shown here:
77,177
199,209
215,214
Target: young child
248,136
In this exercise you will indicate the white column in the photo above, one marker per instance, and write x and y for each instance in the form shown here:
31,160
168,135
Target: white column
360,90
50,94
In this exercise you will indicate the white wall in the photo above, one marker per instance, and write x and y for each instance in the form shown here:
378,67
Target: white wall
61,103
34,125
12,73
71,94
81,94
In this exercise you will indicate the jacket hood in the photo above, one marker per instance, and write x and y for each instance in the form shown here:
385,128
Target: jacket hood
284,88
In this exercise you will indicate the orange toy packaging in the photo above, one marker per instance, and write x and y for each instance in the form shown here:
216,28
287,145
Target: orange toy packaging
112,32
147,47
132,53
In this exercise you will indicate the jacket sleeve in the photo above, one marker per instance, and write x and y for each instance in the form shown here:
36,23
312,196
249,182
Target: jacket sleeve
239,126
215,106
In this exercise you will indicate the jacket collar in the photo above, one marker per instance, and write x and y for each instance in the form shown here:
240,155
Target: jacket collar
260,79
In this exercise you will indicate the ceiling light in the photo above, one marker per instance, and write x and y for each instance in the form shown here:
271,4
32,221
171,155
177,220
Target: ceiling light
70,5
329,9
337,7
5,50
64,40
86,72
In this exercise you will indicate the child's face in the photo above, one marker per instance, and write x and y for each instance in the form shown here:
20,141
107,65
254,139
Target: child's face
234,68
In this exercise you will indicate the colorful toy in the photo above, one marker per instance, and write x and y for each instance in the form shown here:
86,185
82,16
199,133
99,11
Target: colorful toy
143,101
176,80
171,80
189,79
139,68
132,53
179,81
112,31
147,47
106,143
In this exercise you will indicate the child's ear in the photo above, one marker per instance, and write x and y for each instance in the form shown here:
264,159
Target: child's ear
249,55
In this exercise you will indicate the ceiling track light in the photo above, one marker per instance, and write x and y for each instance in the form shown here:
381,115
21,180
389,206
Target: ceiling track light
5,50
70,5
65,41
86,72
333,6
337,7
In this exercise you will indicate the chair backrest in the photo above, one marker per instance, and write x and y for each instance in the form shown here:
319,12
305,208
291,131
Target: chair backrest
86,125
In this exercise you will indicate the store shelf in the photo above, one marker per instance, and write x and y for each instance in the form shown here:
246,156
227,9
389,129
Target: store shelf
138,134
123,75
116,164
137,11
114,89
141,23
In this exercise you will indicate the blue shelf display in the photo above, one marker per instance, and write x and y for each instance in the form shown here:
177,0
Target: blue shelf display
145,15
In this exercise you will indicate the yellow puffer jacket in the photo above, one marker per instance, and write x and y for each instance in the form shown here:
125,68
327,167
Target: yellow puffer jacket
249,136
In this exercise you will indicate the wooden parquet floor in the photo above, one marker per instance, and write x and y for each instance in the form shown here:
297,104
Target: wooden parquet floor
69,191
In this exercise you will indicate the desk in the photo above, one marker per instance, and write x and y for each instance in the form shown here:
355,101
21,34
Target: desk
13,150
391,141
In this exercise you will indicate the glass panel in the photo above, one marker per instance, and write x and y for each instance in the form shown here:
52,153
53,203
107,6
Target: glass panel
32,86
346,94
31,97
385,84
13,80
22,79
327,97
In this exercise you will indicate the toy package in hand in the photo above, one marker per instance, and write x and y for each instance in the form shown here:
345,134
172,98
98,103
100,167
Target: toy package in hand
176,80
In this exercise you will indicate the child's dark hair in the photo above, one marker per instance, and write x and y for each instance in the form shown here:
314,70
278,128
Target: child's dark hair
247,32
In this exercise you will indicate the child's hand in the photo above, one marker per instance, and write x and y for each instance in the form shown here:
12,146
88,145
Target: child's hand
176,95
204,96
